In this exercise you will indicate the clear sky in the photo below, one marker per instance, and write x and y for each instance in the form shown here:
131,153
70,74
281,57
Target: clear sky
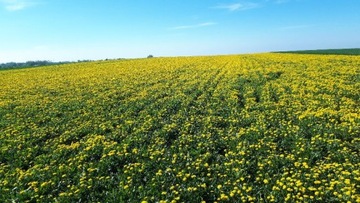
59,30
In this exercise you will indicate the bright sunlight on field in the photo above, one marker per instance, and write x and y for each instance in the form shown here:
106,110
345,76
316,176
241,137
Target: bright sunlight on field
241,128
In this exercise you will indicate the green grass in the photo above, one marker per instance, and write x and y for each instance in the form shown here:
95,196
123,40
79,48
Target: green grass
354,51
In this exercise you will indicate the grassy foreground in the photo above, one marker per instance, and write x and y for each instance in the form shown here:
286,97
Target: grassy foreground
246,128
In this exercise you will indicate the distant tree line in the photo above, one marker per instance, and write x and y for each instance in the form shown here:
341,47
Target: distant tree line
354,51
29,64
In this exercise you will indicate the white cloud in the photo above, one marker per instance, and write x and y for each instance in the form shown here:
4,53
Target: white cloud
193,26
16,5
283,1
238,6
278,1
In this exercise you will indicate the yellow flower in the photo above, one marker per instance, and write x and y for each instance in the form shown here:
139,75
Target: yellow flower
224,197
317,182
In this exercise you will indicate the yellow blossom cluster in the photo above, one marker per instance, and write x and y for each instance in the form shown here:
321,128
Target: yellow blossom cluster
240,128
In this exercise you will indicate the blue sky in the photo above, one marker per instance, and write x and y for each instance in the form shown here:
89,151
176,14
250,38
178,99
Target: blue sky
59,30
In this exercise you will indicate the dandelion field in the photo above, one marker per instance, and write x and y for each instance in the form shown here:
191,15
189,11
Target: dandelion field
241,128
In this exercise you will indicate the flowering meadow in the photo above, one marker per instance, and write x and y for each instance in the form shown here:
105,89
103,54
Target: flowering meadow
236,128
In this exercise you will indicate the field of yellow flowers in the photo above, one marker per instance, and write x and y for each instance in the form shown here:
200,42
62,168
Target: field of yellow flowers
240,128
